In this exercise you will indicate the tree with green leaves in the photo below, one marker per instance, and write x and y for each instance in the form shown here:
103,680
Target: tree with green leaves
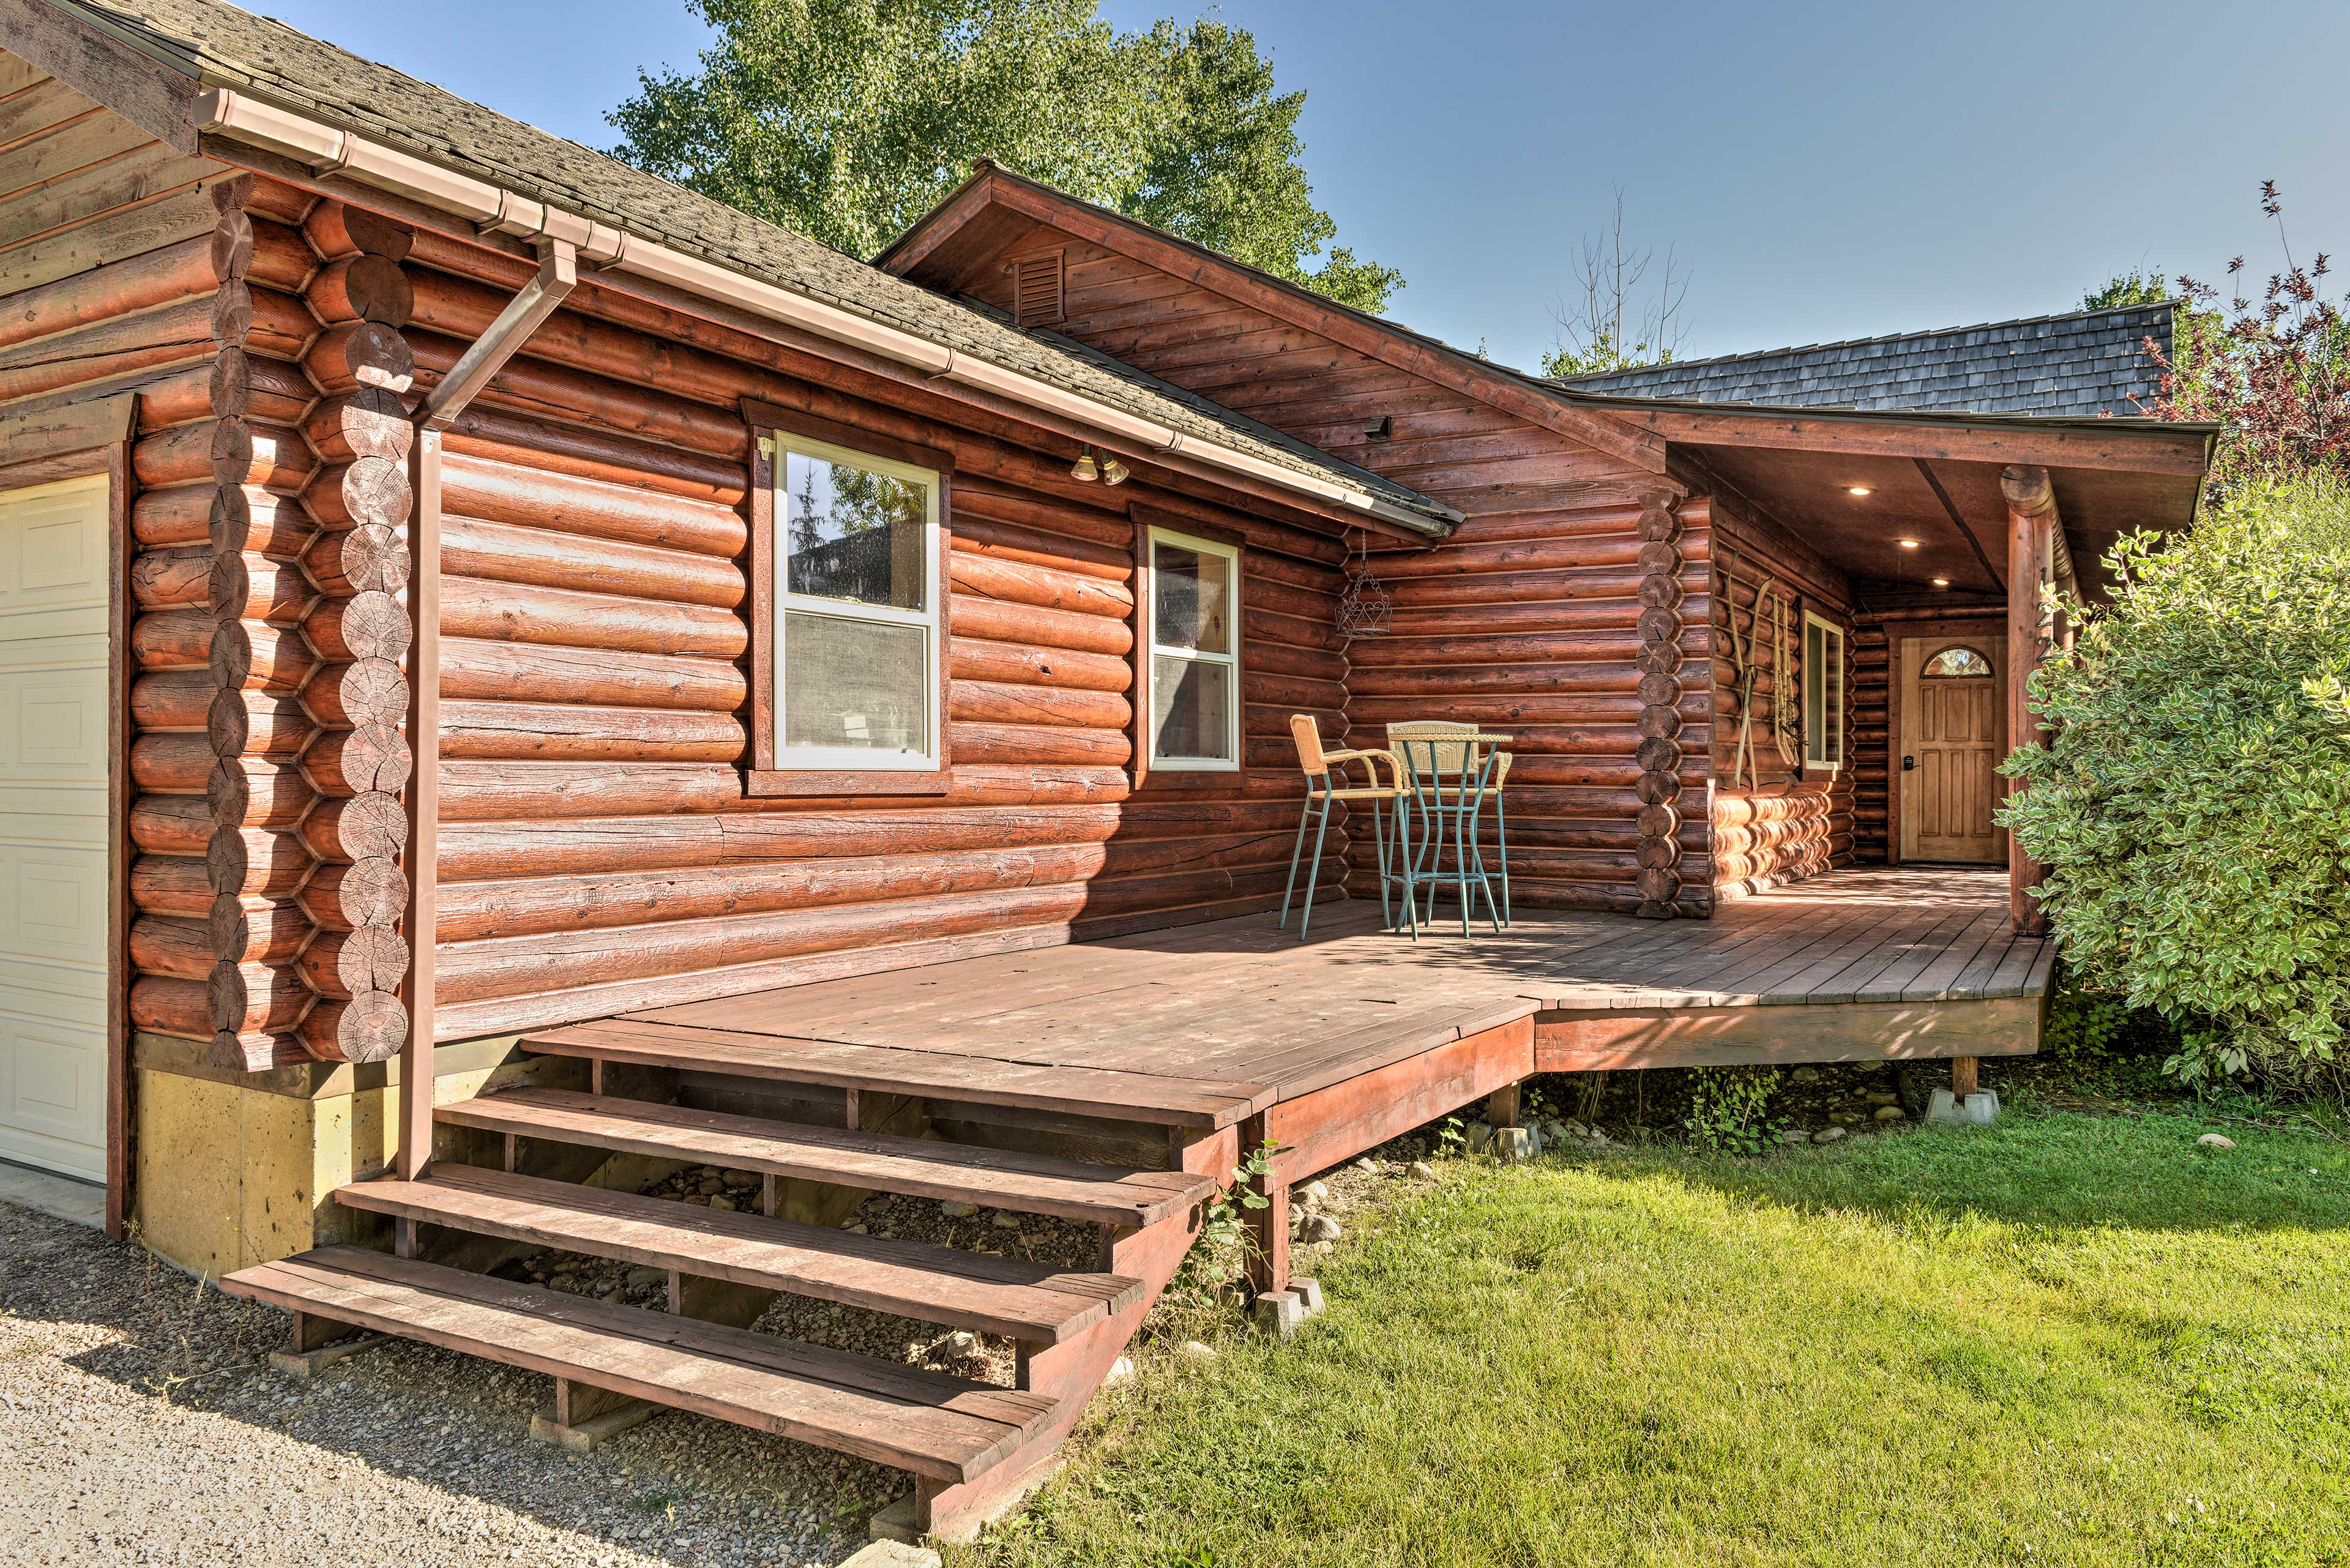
845,121
2135,287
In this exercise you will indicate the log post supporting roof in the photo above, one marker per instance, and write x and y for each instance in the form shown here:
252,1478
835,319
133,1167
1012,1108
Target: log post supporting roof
2033,528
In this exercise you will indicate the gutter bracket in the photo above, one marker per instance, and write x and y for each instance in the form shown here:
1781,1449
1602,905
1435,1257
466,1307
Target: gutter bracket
558,274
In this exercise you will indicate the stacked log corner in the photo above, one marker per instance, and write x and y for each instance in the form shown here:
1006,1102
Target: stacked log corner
355,695
266,640
1659,753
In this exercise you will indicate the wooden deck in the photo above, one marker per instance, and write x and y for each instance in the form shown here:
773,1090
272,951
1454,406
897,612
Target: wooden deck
1117,1083
1204,1027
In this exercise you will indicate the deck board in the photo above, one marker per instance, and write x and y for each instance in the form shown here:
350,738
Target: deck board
1205,1024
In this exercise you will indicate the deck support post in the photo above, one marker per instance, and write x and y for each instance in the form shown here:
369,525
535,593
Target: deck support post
317,1342
1268,1263
2032,532
1965,1079
1502,1109
584,1418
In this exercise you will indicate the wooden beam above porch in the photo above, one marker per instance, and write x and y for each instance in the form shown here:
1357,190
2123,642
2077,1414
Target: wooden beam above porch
2177,450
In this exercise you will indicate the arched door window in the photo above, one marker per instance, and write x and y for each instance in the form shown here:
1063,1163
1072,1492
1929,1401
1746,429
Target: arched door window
1956,663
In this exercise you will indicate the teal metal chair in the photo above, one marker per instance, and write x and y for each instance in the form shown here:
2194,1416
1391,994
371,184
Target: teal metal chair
1323,787
1451,771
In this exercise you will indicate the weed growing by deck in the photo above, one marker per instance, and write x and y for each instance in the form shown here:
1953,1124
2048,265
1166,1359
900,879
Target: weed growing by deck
2067,1339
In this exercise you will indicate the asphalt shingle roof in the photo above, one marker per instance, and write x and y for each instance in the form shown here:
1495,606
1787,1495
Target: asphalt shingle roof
223,46
2079,366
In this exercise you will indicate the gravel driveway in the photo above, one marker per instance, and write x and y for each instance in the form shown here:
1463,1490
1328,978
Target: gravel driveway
140,1423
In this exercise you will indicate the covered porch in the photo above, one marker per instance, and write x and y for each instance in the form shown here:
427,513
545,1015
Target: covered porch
1881,587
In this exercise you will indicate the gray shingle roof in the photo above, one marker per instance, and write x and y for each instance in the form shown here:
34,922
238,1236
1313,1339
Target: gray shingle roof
2081,364
223,46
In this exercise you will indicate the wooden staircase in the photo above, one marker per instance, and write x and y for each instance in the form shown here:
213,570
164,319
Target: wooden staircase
971,1445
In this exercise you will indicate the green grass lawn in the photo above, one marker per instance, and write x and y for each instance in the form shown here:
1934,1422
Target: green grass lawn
2070,1338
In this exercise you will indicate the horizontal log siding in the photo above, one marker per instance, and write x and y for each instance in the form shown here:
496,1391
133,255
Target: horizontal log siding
128,267
1872,742
1776,827
597,850
1528,619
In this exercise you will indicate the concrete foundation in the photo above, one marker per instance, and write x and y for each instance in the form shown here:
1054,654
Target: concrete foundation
234,1168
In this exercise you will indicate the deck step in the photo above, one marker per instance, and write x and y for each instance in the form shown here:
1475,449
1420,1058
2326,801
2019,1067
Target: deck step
1152,1097
1030,1302
918,1168
945,1427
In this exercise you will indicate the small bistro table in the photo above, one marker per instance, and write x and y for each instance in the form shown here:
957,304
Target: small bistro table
1450,771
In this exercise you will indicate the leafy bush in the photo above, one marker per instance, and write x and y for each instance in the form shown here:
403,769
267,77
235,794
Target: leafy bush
2083,1027
2193,808
1727,1105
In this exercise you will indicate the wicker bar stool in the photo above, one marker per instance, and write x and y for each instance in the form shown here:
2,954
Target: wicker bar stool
1322,787
1442,748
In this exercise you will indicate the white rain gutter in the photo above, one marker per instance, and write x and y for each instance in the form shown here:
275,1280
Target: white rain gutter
326,151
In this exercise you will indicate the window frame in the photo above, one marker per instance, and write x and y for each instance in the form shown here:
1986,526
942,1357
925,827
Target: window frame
775,770
1148,535
1814,722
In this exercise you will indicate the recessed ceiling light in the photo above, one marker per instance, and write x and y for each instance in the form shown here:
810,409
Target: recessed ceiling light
1856,489
1941,582
1909,544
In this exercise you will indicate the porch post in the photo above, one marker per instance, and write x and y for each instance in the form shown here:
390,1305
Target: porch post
2031,531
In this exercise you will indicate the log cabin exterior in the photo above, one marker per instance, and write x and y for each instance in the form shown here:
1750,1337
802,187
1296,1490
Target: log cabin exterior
408,535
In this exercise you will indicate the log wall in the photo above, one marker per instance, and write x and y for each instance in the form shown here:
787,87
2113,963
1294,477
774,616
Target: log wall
130,267
1563,611
1774,824
597,850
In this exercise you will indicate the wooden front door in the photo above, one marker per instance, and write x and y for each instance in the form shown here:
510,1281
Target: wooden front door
1951,749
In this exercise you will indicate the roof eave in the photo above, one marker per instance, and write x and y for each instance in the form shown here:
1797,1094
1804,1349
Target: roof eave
268,122
1759,414
1500,386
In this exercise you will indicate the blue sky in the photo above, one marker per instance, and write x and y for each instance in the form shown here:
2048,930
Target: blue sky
1820,171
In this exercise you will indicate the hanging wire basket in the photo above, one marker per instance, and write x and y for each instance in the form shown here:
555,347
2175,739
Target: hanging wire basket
1364,604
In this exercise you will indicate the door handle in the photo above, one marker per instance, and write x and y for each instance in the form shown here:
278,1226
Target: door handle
1909,764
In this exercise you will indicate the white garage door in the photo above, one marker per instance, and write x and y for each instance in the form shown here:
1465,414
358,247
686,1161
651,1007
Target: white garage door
53,823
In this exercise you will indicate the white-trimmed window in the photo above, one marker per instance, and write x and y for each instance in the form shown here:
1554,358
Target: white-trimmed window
1823,694
857,642
1194,722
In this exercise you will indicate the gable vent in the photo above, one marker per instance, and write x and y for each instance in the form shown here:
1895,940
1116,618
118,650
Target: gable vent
1036,289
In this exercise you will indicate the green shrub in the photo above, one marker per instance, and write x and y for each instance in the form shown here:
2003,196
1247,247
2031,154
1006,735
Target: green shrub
2193,807
1727,1107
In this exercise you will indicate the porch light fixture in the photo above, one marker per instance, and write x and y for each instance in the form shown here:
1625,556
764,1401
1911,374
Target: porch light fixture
1855,490
1113,470
1941,582
1083,471
1909,544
